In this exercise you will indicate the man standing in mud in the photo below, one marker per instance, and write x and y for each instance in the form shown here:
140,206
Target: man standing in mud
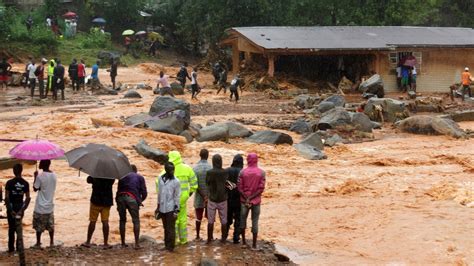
43,214
188,181
58,80
113,71
233,200
5,68
51,86
251,186
31,70
466,80
183,75
200,198
100,203
131,192
216,180
73,75
40,76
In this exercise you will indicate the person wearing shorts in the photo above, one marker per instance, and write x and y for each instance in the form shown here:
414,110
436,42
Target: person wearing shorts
100,203
5,67
131,193
194,84
200,198
216,180
43,215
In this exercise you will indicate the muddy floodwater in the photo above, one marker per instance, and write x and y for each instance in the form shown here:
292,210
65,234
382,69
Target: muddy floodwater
399,199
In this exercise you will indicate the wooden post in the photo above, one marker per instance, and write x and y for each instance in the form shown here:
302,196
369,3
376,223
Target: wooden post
376,64
271,65
248,57
235,59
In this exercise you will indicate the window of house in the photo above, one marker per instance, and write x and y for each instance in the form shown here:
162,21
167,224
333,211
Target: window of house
395,57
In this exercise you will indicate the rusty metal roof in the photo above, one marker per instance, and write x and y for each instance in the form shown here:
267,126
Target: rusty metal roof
356,37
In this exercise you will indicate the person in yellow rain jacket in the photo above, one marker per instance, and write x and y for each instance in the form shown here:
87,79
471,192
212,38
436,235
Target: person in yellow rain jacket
51,66
188,181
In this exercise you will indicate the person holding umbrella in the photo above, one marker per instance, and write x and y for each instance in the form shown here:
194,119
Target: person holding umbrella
101,201
17,199
43,215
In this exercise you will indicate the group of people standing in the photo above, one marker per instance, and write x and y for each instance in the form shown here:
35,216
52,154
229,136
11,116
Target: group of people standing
231,192
406,78
219,72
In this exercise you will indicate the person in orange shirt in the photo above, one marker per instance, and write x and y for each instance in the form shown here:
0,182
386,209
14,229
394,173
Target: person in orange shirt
466,79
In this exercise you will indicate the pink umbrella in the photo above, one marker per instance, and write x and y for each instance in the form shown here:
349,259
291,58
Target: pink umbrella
35,150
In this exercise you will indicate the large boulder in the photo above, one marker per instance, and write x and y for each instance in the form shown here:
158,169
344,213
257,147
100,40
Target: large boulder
429,104
237,130
373,85
392,110
361,122
300,127
270,137
305,101
107,56
314,140
309,152
428,125
172,123
214,132
333,140
132,94
151,153
334,118
461,116
187,135
164,104
177,88
326,106
336,99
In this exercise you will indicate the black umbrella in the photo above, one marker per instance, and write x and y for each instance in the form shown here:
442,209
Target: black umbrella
100,161
99,21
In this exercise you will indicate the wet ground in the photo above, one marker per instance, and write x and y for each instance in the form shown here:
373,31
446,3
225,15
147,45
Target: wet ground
399,199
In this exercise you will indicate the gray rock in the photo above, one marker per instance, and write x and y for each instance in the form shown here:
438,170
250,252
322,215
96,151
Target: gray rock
428,125
309,152
236,130
177,88
137,120
361,122
151,153
194,129
336,99
326,106
300,127
270,137
314,140
173,123
392,110
156,91
164,104
130,101
208,262
108,55
305,101
187,135
143,86
461,116
373,85
132,94
213,132
332,141
376,125
334,118
147,241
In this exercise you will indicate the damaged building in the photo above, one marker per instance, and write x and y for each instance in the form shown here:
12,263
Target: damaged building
356,52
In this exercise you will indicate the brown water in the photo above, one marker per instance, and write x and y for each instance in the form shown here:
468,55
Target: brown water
401,199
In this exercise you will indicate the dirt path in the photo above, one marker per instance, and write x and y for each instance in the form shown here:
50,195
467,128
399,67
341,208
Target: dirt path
401,199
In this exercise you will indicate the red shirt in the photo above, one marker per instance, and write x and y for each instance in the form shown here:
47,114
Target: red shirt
40,72
81,70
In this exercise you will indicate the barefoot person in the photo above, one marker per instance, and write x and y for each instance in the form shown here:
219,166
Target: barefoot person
17,199
131,193
100,203
169,192
216,180
251,186
43,215
200,198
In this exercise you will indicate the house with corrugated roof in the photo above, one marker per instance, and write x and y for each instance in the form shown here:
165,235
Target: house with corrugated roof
441,53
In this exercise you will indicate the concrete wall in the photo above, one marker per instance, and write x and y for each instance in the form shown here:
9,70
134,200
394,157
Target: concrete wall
440,68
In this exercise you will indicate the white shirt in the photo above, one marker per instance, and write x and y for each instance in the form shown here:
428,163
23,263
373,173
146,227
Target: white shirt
46,183
48,22
31,71
194,77
413,71
169,193
399,72
164,81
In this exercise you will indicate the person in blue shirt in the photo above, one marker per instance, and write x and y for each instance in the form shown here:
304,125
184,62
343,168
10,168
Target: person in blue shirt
95,75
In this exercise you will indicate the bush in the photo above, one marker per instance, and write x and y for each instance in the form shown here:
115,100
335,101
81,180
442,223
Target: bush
95,39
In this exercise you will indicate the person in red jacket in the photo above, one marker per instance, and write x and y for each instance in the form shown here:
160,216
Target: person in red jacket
251,186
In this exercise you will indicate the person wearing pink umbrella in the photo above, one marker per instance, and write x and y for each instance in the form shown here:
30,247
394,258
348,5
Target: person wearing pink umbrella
43,215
